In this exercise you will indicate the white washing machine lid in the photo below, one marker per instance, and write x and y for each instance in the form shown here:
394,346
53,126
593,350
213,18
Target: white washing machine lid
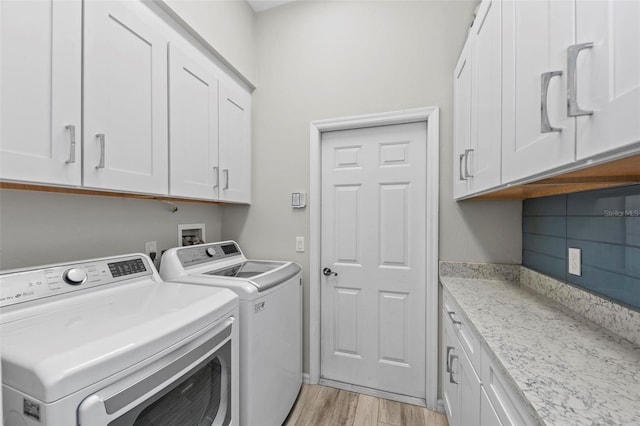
70,344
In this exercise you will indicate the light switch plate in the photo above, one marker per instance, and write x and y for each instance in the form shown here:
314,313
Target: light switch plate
300,244
575,261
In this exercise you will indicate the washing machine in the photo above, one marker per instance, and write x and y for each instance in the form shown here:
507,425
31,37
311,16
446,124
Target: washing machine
107,342
270,295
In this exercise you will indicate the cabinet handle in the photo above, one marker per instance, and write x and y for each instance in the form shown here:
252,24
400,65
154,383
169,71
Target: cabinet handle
460,167
216,172
573,110
451,379
225,172
72,143
100,137
466,163
451,314
449,349
545,125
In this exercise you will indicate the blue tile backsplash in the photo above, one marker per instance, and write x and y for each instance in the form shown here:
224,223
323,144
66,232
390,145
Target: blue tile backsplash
604,224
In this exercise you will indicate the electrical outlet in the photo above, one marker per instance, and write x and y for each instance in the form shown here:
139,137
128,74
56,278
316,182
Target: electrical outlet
575,261
300,244
151,247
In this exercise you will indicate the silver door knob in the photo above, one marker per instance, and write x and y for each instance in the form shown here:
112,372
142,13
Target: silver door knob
328,272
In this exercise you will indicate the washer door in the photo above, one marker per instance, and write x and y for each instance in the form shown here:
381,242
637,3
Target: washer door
193,387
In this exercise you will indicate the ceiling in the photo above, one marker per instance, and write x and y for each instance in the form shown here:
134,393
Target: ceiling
260,5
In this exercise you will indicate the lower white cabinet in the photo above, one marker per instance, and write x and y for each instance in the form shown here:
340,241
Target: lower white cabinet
474,391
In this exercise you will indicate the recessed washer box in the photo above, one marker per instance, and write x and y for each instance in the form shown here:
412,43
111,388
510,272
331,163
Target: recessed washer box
191,234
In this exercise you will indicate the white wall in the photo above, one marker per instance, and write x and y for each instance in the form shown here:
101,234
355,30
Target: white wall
325,59
42,227
226,24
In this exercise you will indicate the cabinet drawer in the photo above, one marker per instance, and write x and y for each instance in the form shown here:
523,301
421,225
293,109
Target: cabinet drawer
468,340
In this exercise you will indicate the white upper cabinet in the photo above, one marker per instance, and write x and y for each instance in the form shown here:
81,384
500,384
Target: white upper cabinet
462,84
235,144
486,110
608,75
40,82
477,88
125,98
193,119
537,134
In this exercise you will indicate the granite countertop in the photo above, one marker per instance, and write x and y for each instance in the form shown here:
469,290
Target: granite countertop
568,369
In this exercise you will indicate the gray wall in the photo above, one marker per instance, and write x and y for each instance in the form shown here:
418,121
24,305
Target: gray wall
41,227
326,59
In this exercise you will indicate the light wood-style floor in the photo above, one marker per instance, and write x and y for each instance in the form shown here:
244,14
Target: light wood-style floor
324,406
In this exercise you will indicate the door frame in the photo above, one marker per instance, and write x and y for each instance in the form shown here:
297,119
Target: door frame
430,115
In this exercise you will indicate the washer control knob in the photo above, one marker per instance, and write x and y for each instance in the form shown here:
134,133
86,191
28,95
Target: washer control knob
75,276
211,251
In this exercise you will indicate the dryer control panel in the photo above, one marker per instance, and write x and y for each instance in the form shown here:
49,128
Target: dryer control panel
203,253
24,285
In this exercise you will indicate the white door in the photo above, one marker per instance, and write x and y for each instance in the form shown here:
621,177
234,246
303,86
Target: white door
608,75
373,238
125,98
193,118
235,144
40,57
535,37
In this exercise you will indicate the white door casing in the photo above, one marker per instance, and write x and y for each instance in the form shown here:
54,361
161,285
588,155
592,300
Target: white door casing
383,309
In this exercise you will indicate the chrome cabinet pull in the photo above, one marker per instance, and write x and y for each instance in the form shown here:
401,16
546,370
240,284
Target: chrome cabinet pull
449,349
451,379
100,137
545,125
216,172
72,143
573,110
451,314
225,172
460,167
466,163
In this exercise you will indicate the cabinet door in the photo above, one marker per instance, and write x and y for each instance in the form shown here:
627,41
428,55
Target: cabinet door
488,415
535,38
485,157
193,124
235,144
608,75
462,100
449,387
469,390
40,54
125,98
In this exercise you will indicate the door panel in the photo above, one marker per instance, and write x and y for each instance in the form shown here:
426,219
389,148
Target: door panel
193,116
608,75
125,98
40,50
373,237
535,38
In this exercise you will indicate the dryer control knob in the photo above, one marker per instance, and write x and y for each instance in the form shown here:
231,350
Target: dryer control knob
211,252
75,276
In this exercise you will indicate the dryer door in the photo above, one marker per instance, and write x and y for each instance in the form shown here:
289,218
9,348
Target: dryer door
191,386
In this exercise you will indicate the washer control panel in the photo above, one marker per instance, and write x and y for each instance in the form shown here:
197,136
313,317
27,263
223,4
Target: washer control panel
195,255
30,284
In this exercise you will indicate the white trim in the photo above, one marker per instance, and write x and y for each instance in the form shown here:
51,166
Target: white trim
431,116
